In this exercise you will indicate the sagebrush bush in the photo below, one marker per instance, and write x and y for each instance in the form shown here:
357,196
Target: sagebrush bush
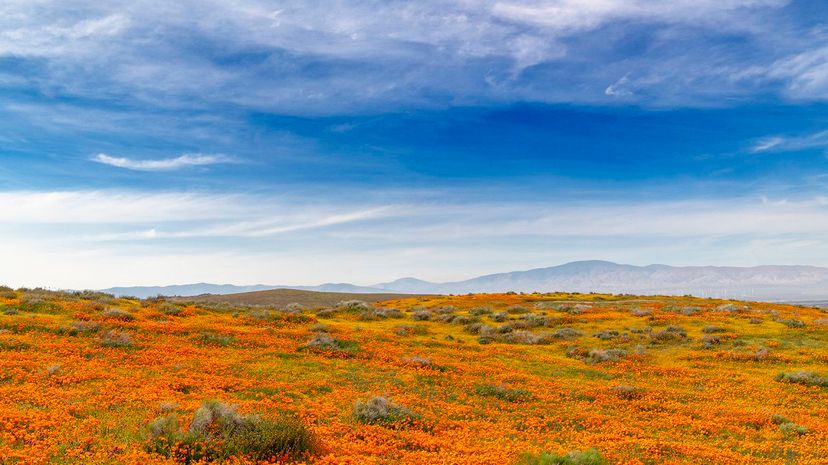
524,337
215,339
607,334
411,330
499,317
294,307
115,338
565,333
117,314
421,315
709,341
627,392
218,432
479,311
670,333
34,303
381,410
517,310
324,342
714,329
80,327
596,355
792,429
353,305
418,361
641,312
444,309
807,378
792,323
170,309
587,457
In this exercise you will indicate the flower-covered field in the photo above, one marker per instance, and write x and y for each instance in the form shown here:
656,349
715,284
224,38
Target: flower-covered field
476,379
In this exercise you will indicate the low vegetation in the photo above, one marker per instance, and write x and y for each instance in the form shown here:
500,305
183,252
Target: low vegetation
514,379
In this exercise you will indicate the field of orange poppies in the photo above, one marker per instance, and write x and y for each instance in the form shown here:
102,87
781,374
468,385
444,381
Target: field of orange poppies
473,379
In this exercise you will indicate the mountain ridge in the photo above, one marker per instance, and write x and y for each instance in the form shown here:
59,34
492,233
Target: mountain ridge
764,282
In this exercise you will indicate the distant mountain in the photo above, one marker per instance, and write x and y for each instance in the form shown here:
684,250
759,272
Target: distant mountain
760,283
183,289
800,283
187,290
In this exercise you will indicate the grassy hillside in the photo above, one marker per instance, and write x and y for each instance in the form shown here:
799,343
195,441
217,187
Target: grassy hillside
282,297
479,379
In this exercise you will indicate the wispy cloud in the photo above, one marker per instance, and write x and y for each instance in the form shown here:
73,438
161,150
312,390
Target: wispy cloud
268,238
468,50
165,164
791,143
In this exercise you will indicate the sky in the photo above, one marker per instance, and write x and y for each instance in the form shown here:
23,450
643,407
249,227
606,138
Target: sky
149,142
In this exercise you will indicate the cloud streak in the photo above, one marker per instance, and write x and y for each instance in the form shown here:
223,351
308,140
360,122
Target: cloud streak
817,140
166,164
275,239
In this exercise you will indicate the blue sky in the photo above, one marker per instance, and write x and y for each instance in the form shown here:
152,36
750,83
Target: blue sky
151,142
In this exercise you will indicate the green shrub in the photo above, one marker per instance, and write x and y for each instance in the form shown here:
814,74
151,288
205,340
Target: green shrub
587,457
792,429
777,419
215,339
37,305
502,392
217,432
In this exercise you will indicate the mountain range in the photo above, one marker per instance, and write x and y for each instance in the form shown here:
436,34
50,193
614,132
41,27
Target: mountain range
769,282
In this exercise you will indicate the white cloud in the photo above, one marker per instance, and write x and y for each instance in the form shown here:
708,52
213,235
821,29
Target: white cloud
165,164
790,143
805,74
619,88
105,238
767,143
379,52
